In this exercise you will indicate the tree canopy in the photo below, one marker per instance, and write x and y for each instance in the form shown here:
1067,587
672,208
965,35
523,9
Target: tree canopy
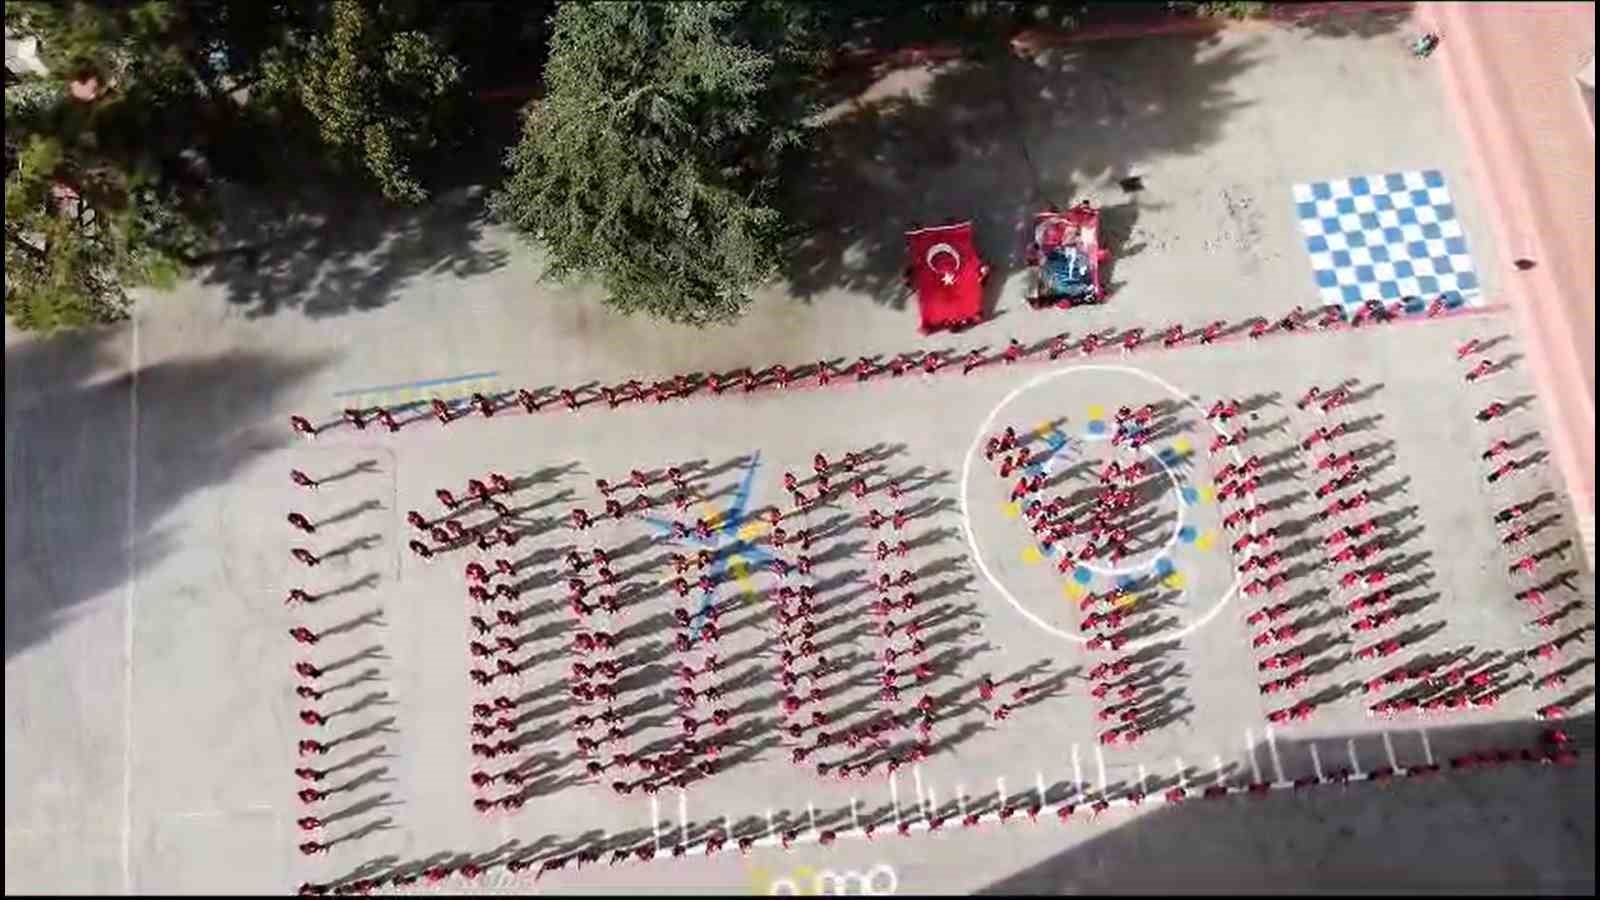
651,162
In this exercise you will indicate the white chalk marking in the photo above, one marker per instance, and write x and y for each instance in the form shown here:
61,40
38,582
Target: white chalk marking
811,812
916,777
1216,761
1250,749
128,597
1388,747
1100,762
1077,773
1000,789
894,795
855,814
933,805
1316,761
1038,781
1143,778
772,829
1355,764
961,798
1427,748
655,819
683,817
1183,780
1272,748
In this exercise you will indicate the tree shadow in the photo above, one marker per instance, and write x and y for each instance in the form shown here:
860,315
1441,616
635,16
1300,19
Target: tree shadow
993,142
335,249
68,414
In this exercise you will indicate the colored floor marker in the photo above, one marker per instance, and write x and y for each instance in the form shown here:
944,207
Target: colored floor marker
752,530
1164,567
1181,445
1082,575
1125,581
1096,411
1190,495
738,569
1073,590
1031,555
1012,509
1125,601
1175,581
1043,429
1187,534
1208,493
1206,540
1096,426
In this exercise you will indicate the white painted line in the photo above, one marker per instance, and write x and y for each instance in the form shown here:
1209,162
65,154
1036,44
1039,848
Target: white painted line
1216,760
1427,748
1272,748
961,798
811,811
1038,781
933,805
916,778
1183,780
1355,764
1388,747
1250,749
1077,773
128,597
1316,761
1000,789
894,795
655,819
772,830
683,817
855,813
1143,777
1100,762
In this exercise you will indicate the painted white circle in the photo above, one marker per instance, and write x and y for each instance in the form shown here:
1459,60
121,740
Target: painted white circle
973,451
892,880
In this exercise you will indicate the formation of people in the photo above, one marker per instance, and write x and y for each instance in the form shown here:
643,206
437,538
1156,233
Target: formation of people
823,373
311,689
1517,530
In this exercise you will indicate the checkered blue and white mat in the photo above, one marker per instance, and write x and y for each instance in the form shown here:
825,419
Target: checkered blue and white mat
1386,237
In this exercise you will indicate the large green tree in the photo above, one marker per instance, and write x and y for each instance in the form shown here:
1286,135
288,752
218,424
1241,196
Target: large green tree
384,92
650,163
95,173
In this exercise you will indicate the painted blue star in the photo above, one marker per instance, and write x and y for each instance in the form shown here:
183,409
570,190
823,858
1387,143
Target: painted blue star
725,542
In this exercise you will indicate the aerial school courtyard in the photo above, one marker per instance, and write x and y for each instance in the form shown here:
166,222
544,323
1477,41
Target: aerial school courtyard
1354,588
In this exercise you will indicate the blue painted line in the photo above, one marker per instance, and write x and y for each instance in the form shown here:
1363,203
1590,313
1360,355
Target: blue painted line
432,382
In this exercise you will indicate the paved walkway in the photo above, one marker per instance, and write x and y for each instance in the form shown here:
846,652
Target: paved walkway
1510,73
